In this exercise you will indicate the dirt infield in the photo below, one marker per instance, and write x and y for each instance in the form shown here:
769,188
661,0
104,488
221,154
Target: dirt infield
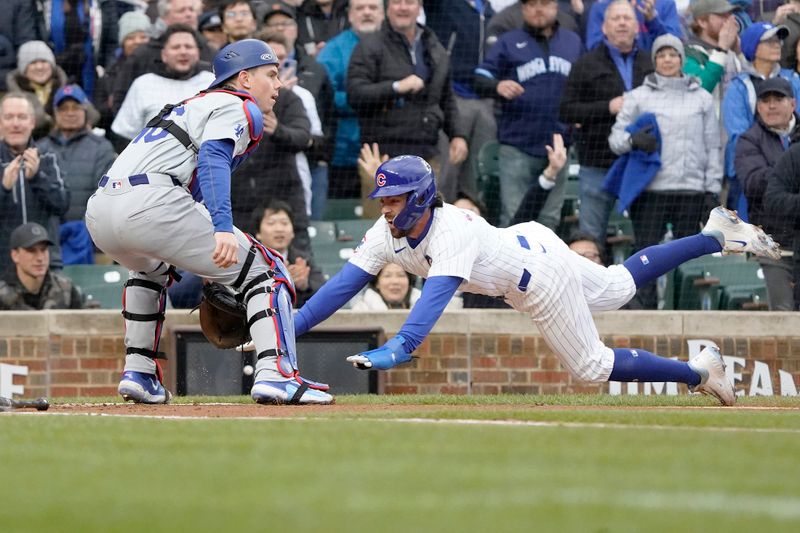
235,410
263,411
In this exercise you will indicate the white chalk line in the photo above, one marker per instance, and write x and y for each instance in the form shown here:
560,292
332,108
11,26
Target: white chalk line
451,421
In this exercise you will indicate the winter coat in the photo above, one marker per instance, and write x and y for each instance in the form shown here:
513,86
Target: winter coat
335,58
710,65
594,81
146,59
313,77
789,48
150,93
757,152
783,199
690,149
541,65
44,112
83,159
314,26
271,170
18,25
461,29
46,201
739,107
371,300
411,122
57,292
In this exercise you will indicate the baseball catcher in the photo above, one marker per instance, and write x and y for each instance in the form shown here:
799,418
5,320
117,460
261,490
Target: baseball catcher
165,204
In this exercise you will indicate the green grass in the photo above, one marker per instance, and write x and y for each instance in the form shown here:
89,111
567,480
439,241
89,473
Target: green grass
608,464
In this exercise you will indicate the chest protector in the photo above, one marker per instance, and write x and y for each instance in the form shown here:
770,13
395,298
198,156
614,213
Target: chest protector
255,119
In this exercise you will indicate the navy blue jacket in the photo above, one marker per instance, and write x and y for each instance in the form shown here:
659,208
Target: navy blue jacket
541,66
461,28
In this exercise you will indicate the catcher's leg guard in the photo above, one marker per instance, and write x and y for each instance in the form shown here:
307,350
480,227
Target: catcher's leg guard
143,304
268,297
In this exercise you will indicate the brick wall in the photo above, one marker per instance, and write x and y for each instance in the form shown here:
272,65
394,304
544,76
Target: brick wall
73,354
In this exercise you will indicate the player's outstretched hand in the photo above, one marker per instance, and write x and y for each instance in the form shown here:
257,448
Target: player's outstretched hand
226,251
391,354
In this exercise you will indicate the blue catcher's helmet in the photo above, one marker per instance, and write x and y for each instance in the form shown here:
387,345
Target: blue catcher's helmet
241,55
406,174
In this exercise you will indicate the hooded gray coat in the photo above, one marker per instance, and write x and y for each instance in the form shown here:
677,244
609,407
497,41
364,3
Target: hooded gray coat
690,138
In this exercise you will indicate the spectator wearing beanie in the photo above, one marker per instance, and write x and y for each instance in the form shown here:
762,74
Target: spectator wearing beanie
111,12
38,74
17,26
686,139
133,30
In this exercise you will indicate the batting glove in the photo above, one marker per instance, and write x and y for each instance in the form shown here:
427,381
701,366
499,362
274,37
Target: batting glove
391,354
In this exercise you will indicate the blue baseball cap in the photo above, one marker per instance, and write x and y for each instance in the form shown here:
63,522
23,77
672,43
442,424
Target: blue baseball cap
70,91
759,32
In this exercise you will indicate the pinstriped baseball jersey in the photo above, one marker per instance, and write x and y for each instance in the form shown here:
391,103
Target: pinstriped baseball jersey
215,115
527,264
458,243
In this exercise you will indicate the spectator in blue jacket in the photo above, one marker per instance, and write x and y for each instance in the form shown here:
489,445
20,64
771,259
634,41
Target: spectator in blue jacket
526,70
761,46
365,16
656,17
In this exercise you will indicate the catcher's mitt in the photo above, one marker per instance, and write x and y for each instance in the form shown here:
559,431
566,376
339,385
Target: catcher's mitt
223,317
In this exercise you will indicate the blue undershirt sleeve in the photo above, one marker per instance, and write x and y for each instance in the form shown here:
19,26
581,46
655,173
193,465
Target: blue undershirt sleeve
436,294
336,292
214,162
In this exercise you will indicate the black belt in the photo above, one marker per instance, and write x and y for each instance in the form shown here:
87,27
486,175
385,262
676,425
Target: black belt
136,179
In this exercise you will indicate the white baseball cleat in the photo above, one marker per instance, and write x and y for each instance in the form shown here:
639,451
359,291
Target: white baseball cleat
739,235
709,364
288,392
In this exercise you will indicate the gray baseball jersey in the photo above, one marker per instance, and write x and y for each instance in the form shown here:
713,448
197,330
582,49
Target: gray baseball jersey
145,222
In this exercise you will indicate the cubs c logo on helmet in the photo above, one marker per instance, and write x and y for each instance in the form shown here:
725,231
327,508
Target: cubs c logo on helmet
380,180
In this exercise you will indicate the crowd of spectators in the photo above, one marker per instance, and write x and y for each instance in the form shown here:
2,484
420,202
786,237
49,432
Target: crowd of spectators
667,107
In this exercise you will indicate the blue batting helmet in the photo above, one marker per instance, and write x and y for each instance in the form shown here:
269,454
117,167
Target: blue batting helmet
406,174
241,55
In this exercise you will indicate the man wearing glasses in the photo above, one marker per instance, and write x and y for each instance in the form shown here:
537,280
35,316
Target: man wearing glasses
238,19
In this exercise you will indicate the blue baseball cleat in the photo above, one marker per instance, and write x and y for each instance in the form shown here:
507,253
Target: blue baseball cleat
291,392
139,387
